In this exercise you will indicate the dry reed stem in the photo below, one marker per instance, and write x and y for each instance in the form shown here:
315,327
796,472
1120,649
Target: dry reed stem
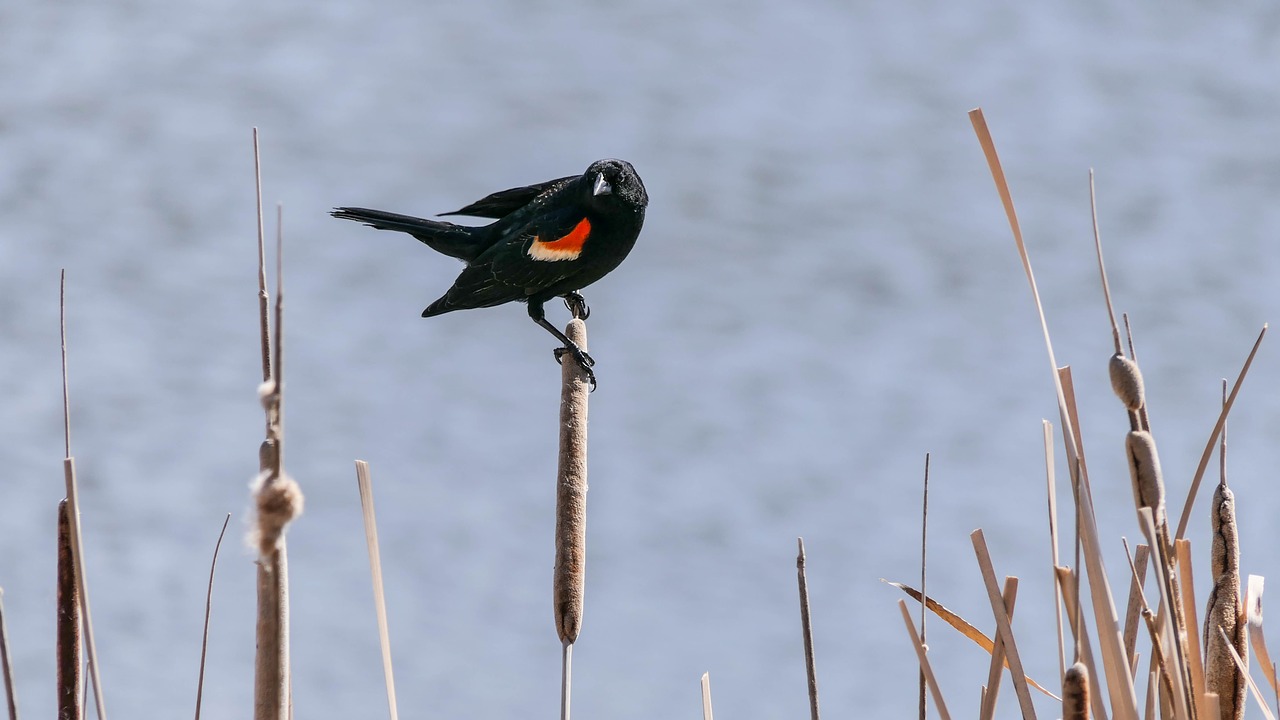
922,696
1075,693
1140,557
1243,667
1119,683
806,629
1160,670
10,692
1225,609
571,493
1102,267
1003,626
1165,627
706,697
208,612
263,297
1068,584
67,654
364,483
1195,662
278,500
1213,437
1052,491
992,690
923,656
1253,605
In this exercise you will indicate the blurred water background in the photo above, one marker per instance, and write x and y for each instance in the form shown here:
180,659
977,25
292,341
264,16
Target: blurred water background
825,290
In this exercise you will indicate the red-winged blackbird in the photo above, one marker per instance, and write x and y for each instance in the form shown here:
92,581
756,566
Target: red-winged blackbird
550,240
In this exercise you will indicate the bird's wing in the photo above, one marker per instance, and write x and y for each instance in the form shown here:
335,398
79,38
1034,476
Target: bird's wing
503,203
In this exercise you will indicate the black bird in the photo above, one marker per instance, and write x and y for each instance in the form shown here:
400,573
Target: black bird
549,240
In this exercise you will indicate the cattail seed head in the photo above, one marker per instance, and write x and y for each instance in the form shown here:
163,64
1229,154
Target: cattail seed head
1075,693
1144,469
1126,381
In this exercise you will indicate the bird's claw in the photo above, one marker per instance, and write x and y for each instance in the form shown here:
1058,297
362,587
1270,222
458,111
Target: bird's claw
577,305
584,361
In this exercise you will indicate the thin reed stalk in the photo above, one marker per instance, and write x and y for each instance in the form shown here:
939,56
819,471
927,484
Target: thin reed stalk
806,630
73,505
922,696
208,613
923,656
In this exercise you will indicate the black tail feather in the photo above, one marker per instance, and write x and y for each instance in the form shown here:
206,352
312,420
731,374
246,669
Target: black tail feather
459,241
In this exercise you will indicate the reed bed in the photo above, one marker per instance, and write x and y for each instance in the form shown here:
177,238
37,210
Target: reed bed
1189,672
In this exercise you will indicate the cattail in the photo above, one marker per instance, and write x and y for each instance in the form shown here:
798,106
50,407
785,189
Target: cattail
1126,381
1225,609
1075,693
68,623
1144,469
571,493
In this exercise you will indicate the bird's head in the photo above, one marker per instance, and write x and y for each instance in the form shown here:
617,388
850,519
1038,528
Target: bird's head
614,183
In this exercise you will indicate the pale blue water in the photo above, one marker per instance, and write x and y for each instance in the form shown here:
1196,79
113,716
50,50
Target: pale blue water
825,290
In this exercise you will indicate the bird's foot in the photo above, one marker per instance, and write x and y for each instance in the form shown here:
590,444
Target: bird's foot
580,356
577,305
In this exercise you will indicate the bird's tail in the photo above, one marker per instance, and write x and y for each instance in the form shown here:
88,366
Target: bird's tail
459,241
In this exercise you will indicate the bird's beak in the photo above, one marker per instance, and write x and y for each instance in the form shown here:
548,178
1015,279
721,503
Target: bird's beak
602,186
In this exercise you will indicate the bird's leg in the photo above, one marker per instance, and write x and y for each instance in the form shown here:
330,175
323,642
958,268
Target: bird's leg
577,304
584,360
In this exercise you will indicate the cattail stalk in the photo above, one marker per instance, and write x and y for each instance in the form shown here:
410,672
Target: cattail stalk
278,499
806,630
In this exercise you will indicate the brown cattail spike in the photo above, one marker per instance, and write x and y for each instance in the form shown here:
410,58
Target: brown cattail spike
1126,381
571,493
68,623
1225,609
1075,693
1144,469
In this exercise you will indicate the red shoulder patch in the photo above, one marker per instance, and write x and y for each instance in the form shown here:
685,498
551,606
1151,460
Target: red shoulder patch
567,247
